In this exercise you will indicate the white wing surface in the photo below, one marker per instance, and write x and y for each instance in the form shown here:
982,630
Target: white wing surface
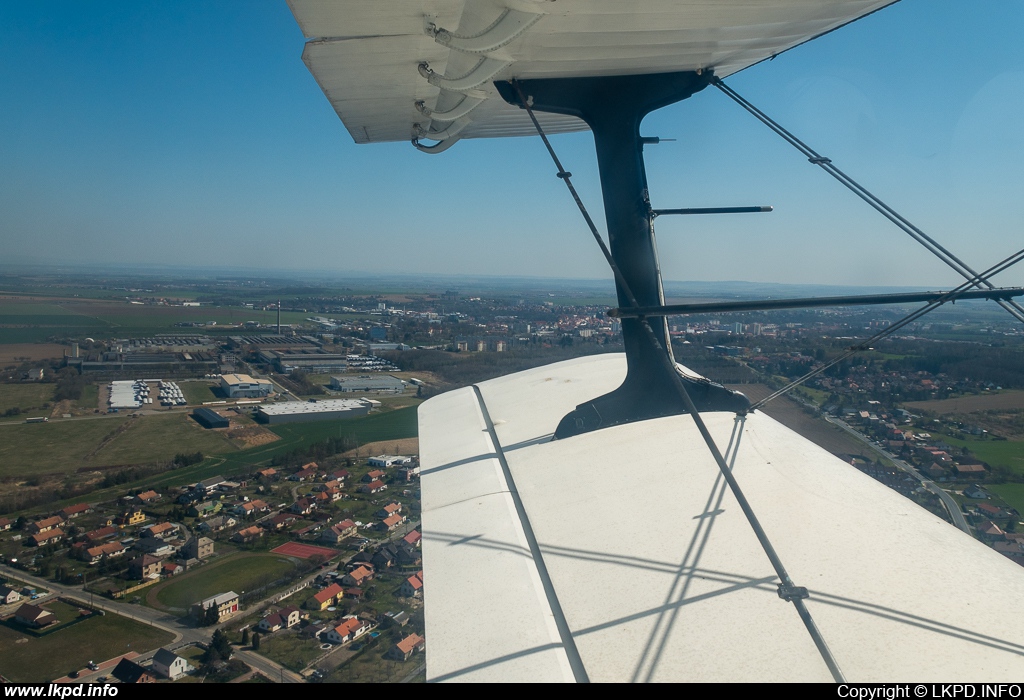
366,56
622,551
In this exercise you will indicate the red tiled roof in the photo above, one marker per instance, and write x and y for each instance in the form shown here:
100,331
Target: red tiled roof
410,643
326,594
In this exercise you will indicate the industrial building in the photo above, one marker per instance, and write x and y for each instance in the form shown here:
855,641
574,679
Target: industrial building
306,359
210,419
115,365
242,386
299,411
366,382
273,342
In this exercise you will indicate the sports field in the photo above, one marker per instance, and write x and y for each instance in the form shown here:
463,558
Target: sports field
238,573
304,551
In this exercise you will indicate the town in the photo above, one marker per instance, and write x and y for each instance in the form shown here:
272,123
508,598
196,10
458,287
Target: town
219,482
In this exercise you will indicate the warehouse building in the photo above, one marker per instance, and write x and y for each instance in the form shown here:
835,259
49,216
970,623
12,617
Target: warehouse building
210,419
314,360
242,386
300,411
366,382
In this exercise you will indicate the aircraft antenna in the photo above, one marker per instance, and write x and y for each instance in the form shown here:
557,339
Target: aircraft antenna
787,589
964,270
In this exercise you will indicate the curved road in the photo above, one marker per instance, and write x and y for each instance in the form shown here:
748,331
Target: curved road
952,507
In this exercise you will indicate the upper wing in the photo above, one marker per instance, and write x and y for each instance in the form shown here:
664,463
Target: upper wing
622,551
366,56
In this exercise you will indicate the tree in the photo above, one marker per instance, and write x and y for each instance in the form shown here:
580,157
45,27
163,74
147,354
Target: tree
212,617
256,641
245,636
221,644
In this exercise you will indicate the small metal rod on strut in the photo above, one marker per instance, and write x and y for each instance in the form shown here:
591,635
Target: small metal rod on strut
712,210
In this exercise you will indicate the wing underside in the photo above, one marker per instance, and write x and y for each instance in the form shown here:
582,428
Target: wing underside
621,555
397,70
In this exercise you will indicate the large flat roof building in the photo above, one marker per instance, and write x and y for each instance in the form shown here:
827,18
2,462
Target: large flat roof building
244,386
299,411
381,382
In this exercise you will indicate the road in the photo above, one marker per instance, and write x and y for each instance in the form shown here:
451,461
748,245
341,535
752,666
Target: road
268,668
952,507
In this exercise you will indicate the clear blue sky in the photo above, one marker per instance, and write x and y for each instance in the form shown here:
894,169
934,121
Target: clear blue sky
191,133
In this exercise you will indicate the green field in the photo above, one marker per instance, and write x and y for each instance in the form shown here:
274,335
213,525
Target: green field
44,658
1002,453
289,649
390,425
25,396
239,574
198,392
1013,494
66,446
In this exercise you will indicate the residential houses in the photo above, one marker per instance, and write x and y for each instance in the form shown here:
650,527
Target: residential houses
198,548
248,534
350,629
127,671
389,524
75,510
132,516
42,539
44,525
170,665
325,598
204,509
217,523
93,555
9,595
162,531
375,486
146,498
357,577
101,534
34,616
412,587
404,649
337,533
144,566
285,618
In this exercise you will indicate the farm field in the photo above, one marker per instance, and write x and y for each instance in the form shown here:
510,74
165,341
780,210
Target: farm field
239,573
40,659
33,319
25,396
996,401
791,415
66,446
14,353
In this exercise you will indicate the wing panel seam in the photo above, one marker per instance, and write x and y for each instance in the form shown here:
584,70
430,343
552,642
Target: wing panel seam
579,670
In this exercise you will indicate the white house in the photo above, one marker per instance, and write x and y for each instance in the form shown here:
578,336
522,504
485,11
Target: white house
170,665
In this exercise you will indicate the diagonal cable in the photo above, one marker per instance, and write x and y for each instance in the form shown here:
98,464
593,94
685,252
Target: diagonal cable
933,246
949,296
787,589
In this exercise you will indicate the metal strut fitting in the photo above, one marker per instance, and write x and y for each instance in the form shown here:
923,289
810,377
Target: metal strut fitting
613,108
